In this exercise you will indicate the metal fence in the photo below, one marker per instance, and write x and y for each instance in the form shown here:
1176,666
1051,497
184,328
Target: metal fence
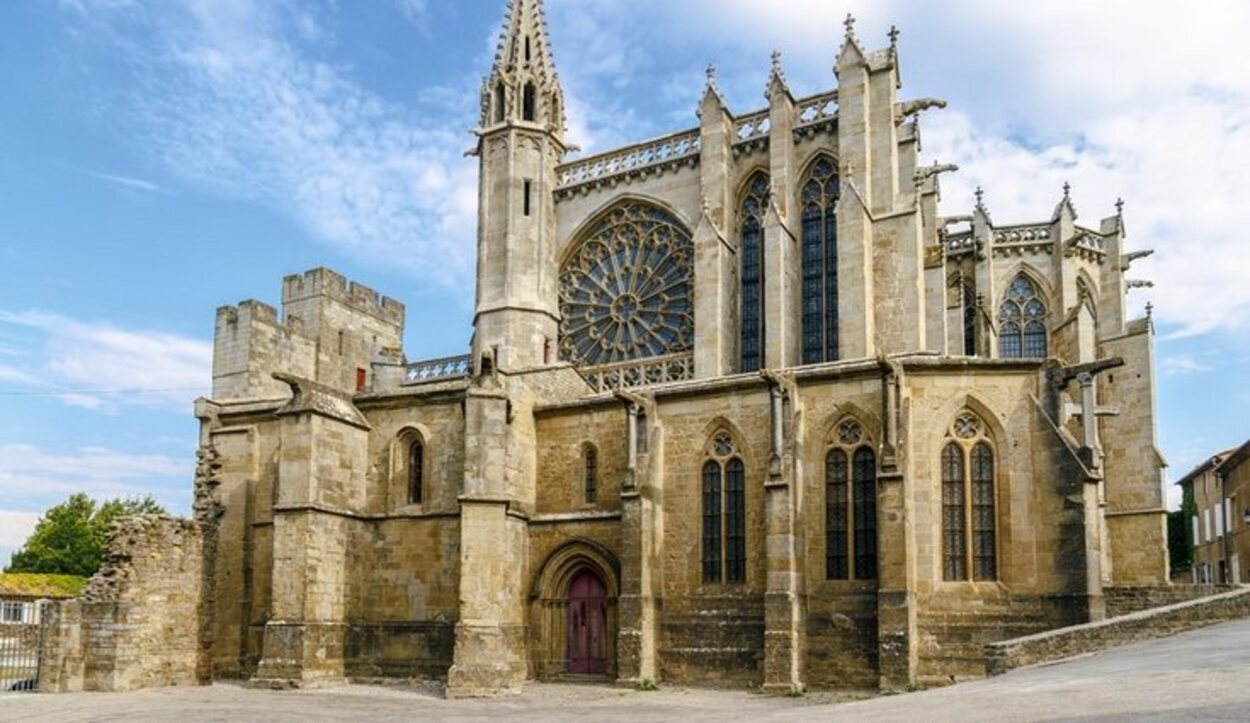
19,653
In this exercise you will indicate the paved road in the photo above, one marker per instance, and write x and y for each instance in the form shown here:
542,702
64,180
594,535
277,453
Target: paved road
1200,676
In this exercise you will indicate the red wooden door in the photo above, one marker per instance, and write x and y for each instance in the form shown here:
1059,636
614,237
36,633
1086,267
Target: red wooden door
587,625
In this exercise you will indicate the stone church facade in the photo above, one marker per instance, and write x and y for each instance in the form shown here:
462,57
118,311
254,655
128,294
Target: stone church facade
741,407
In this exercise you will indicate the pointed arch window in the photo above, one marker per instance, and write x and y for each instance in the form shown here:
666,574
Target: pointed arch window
850,505
970,309
819,199
590,475
751,261
529,103
499,102
1022,330
969,502
724,513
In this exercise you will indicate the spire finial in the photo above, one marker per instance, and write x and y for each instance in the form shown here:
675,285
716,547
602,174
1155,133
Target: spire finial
894,33
777,62
711,73
850,25
1119,207
1067,191
1150,310
980,194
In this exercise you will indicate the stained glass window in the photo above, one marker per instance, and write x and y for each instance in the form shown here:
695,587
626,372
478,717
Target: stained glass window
836,553
751,259
969,507
711,522
1022,322
864,478
626,292
820,263
735,522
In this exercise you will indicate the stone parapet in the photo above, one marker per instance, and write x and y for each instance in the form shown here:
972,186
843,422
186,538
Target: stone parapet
1007,655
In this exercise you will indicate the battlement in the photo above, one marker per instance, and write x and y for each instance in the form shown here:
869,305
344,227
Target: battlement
323,282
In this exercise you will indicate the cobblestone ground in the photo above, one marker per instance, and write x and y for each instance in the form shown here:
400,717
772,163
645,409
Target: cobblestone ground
1199,676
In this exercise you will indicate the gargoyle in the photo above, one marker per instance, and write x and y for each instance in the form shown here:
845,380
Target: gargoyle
909,108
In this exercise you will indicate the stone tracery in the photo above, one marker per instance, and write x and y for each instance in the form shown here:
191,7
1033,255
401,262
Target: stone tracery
626,292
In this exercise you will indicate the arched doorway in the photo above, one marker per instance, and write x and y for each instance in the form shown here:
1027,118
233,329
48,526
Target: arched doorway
587,620
573,612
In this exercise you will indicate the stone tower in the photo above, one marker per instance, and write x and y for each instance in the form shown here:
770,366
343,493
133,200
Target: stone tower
521,141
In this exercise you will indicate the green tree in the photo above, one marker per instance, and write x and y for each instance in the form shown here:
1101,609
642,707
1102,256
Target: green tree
70,537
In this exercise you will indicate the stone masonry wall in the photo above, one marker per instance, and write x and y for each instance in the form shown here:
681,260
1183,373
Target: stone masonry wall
1007,655
1127,600
135,625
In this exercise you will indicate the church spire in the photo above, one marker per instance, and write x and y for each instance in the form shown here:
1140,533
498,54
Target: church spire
523,84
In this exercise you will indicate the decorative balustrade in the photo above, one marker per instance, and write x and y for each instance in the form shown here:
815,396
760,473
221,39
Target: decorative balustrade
644,155
753,127
817,108
1022,235
452,367
640,372
960,243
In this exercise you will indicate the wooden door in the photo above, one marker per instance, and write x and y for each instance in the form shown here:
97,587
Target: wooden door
587,625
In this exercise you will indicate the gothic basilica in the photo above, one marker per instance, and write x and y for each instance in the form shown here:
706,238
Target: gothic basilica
741,408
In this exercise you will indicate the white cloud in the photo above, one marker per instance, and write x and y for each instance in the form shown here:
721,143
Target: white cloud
15,527
414,11
101,366
137,184
1183,364
30,472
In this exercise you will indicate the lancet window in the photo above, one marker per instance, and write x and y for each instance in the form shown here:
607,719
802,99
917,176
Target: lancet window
970,312
626,291
850,505
969,502
590,461
818,200
416,472
724,513
1022,332
751,213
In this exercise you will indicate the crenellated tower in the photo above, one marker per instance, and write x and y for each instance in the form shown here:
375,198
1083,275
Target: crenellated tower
520,143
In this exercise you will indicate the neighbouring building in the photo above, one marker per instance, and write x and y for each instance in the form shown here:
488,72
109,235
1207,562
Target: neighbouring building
1217,494
22,595
741,407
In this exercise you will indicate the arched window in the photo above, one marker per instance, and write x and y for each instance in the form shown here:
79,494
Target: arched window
819,198
969,502
499,103
416,472
850,505
970,318
751,260
724,514
1022,322
640,439
591,475
529,102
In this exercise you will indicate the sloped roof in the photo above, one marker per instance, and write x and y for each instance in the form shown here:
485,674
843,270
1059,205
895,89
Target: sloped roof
1234,459
1209,463
28,585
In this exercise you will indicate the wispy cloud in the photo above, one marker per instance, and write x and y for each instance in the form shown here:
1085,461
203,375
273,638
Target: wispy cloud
233,97
414,11
34,477
99,366
137,184
1183,364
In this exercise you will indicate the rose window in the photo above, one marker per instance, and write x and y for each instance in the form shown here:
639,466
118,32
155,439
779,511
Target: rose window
626,291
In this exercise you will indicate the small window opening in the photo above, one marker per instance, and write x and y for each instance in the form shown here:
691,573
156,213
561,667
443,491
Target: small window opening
527,49
499,103
362,378
640,441
416,472
592,476
546,351
528,103
340,342
529,192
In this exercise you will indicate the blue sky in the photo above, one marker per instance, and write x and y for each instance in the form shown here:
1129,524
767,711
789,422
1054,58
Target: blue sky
159,159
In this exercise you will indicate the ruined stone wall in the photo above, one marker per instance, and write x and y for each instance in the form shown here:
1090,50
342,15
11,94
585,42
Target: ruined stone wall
136,624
